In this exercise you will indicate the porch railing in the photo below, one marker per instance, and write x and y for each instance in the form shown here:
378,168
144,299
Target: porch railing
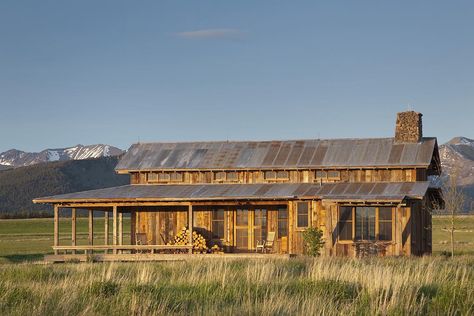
89,249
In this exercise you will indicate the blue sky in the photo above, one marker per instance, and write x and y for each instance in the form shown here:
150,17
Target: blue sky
117,72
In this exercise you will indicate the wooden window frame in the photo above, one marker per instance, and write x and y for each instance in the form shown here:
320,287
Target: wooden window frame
232,180
267,178
176,180
152,180
282,220
286,178
377,223
161,174
220,173
223,220
336,178
297,215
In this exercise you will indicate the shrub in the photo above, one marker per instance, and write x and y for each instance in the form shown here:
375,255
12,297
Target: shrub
313,239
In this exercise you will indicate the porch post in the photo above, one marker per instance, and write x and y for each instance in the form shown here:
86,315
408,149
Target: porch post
106,227
133,220
120,230
73,229
114,221
190,225
91,228
56,228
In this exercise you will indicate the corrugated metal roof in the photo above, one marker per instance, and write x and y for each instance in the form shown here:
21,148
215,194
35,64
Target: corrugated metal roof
267,191
291,154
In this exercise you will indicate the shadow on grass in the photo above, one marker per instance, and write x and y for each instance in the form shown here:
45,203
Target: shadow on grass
19,258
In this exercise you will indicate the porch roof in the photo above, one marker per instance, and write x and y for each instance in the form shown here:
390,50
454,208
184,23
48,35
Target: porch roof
374,191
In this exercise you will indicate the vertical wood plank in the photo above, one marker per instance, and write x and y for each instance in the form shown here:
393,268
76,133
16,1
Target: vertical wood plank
56,228
291,227
190,226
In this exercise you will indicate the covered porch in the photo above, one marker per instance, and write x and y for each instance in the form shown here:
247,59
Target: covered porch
147,231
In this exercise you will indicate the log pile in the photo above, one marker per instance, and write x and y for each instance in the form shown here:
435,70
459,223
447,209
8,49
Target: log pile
409,127
182,238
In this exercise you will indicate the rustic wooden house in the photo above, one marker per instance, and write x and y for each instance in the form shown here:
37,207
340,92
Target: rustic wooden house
366,195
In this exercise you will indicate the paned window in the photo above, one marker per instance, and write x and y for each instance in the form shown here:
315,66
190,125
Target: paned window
302,214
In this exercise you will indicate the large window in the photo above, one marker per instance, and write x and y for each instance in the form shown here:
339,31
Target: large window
282,222
345,223
365,223
218,224
385,223
302,214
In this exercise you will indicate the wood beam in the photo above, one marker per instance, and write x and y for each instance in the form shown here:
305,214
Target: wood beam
120,229
190,226
56,228
91,228
106,228
114,221
73,228
133,223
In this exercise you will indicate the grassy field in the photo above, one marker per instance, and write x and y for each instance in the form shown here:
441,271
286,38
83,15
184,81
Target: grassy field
331,286
328,286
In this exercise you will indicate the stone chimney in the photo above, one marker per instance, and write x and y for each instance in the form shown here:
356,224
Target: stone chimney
409,127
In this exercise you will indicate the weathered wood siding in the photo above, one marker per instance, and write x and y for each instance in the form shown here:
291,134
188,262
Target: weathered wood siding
295,176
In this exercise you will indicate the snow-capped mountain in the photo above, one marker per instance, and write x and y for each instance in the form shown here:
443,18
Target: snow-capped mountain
17,158
458,155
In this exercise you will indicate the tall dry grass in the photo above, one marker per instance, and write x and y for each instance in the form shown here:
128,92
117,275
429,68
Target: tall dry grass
328,286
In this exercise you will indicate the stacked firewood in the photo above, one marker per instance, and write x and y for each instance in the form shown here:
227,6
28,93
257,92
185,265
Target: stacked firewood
182,238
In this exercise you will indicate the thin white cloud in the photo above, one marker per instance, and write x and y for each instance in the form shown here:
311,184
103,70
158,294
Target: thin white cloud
212,34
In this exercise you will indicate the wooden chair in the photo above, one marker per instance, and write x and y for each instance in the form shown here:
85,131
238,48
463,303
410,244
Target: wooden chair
141,239
266,244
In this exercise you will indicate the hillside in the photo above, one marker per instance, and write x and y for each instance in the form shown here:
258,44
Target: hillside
457,155
17,158
20,185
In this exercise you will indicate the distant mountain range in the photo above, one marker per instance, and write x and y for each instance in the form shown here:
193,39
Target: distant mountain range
18,186
14,158
457,155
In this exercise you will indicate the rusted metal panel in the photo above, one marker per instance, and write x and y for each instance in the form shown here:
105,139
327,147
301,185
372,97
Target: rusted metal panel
286,191
278,154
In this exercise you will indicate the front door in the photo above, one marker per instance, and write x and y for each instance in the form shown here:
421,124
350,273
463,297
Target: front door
241,240
250,227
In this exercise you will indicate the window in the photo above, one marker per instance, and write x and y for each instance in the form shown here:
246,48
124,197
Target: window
176,177
385,223
321,175
152,177
345,223
270,175
260,225
164,177
219,176
218,223
365,223
302,214
334,175
282,222
283,175
232,176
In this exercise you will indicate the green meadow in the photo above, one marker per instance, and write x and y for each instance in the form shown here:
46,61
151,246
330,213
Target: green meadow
433,285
